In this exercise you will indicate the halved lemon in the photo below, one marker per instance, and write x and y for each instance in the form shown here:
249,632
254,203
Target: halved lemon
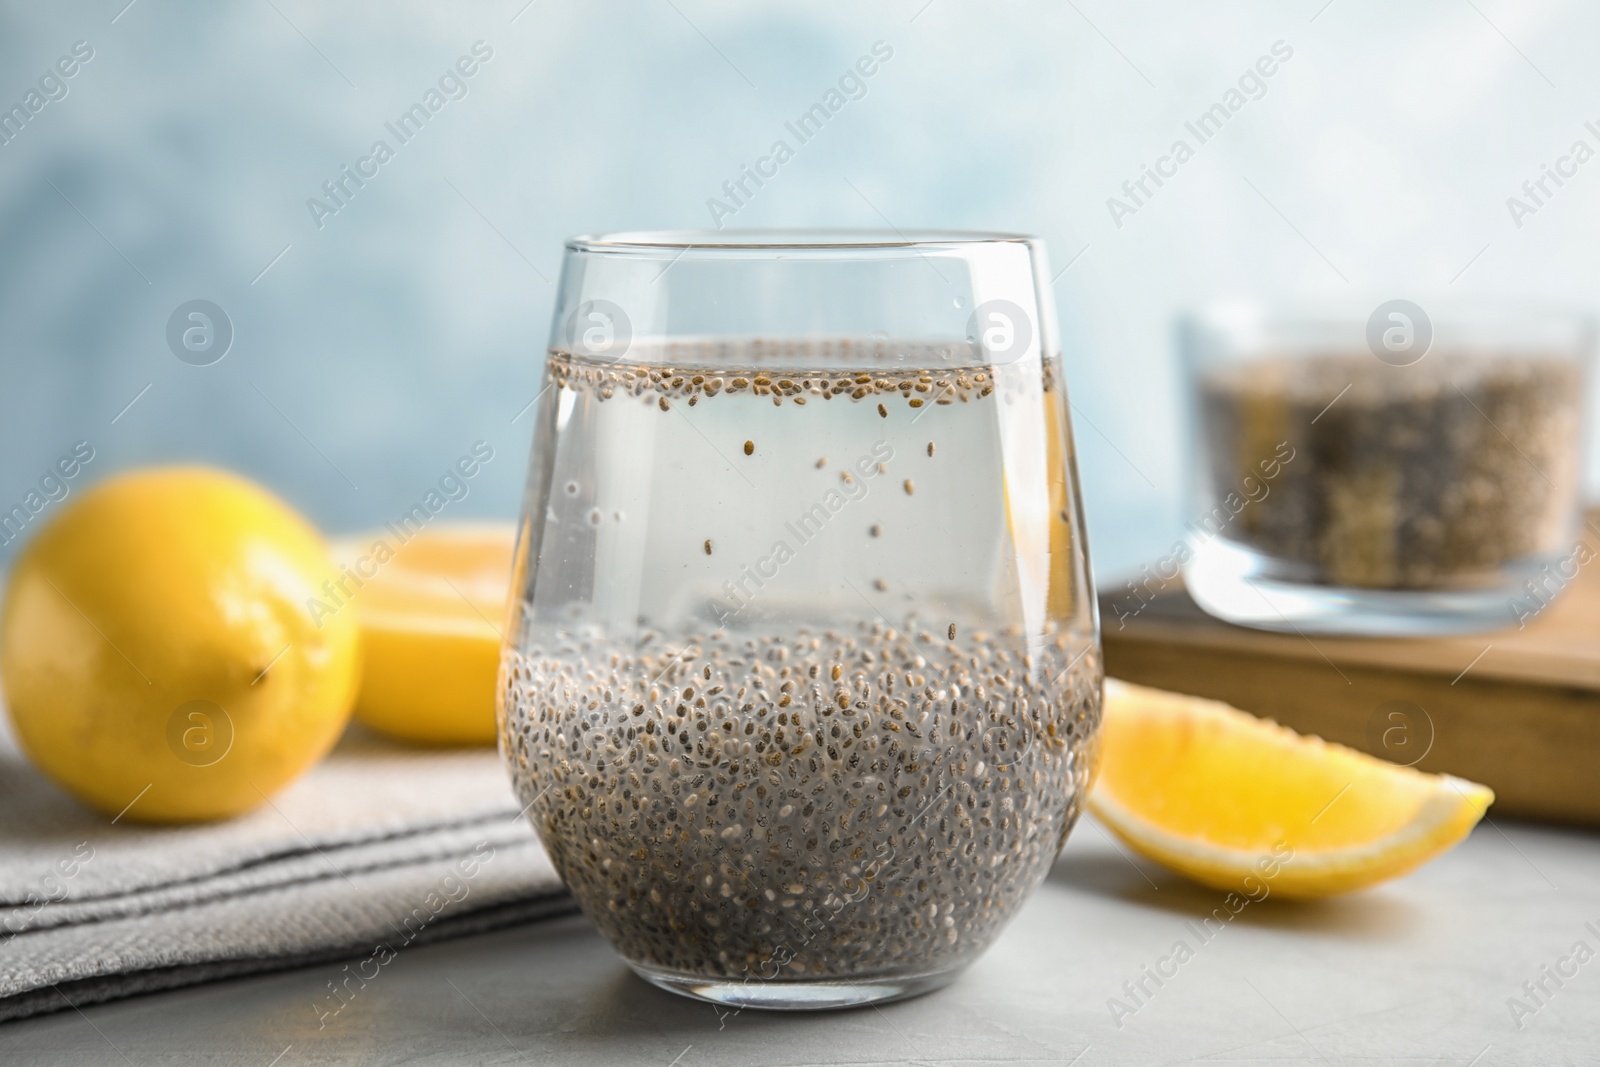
1240,803
431,609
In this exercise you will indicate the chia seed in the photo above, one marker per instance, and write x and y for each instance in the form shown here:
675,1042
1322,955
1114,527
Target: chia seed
1424,476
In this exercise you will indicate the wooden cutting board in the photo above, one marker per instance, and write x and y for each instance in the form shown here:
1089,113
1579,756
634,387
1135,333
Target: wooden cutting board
1516,709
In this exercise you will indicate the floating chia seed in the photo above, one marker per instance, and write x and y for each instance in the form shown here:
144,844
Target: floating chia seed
844,800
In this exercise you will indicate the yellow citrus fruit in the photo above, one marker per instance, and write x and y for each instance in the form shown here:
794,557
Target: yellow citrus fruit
1240,803
158,652
431,609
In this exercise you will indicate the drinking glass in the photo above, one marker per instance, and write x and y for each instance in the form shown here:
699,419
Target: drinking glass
1388,470
802,679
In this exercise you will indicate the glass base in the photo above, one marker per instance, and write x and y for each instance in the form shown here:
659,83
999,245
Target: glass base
1238,585
790,995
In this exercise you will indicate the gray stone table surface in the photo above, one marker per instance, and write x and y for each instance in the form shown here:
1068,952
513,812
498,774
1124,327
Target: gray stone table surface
1420,971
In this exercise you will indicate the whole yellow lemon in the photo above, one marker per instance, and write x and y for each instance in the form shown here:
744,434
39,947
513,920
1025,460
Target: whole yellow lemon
157,651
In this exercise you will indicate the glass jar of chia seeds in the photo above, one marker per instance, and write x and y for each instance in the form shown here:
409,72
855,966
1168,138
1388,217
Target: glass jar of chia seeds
802,677
1398,471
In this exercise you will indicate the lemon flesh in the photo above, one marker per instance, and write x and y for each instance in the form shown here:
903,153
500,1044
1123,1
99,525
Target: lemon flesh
157,649
431,613
1225,798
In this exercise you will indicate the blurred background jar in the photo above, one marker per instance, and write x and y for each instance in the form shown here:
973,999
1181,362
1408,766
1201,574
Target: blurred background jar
1390,472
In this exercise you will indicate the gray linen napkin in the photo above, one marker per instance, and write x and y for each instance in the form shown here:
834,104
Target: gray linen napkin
378,848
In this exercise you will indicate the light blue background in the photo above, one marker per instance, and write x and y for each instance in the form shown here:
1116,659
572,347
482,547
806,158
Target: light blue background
378,349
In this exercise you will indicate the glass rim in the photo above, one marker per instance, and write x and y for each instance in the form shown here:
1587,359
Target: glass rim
1231,331
1345,311
796,240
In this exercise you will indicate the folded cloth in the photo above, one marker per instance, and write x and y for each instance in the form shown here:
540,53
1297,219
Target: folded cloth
378,848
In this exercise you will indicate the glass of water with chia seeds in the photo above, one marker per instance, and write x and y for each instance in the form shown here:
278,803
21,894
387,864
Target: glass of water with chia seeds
802,679
1393,471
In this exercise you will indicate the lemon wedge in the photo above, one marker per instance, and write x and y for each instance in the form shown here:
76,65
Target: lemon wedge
1236,802
431,611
